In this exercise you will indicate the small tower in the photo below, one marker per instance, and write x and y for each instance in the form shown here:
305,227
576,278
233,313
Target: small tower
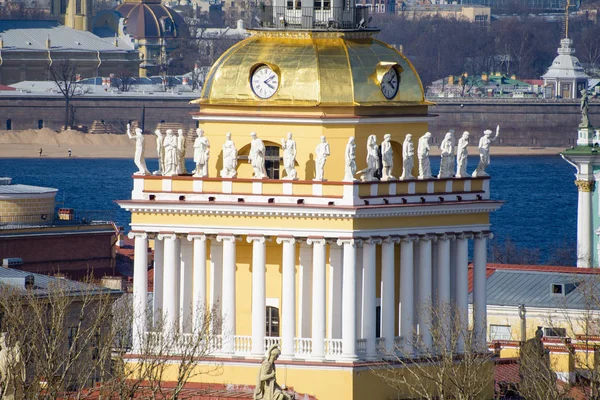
76,14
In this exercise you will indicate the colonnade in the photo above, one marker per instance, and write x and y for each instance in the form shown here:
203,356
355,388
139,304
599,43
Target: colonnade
338,320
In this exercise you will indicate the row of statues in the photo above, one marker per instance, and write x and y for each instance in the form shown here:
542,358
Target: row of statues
380,158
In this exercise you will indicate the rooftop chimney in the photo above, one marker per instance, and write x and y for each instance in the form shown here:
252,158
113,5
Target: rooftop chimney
1,42
48,43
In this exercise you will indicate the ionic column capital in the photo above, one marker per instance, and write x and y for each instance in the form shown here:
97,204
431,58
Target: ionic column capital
227,237
257,239
316,240
372,240
348,241
137,234
483,235
585,186
446,236
196,236
465,235
166,235
409,238
428,237
286,239
391,239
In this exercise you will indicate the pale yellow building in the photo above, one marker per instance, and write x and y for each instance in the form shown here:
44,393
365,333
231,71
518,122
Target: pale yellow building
335,271
473,13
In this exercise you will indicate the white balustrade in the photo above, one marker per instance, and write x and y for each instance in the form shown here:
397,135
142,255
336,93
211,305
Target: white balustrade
380,345
215,343
333,348
302,346
271,340
242,344
361,347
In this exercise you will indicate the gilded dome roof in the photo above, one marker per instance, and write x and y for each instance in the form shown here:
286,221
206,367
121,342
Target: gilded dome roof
150,19
314,68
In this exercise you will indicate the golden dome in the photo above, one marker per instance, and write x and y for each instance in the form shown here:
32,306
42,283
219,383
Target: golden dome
314,68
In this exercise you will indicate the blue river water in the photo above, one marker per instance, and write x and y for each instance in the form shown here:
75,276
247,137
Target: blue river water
539,214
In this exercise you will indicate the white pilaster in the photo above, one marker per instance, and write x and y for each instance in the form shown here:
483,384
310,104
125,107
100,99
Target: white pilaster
318,297
170,293
443,305
424,315
334,305
216,280
584,223
258,293
388,294
462,288
349,299
358,256
228,292
140,287
369,296
157,298
186,286
406,295
305,289
479,290
288,288
199,285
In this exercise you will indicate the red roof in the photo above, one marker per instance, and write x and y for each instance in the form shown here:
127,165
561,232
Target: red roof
7,88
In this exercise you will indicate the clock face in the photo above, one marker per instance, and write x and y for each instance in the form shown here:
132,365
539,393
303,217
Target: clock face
264,82
389,83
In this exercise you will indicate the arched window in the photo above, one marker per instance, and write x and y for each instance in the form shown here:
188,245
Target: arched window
272,161
272,321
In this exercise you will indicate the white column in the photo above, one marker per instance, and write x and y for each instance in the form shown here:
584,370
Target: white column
157,298
388,294
318,297
259,250
216,280
334,305
584,223
424,315
305,289
171,266
288,288
349,299
479,289
358,256
406,295
186,286
199,285
444,308
369,296
228,292
462,288
140,287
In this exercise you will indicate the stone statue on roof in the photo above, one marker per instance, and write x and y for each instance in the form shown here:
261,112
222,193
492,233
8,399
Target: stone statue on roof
585,108
289,157
138,158
267,387
423,156
322,151
201,154
408,154
350,158
230,155
257,157
484,151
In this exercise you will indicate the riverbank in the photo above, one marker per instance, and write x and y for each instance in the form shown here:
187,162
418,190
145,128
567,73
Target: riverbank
27,144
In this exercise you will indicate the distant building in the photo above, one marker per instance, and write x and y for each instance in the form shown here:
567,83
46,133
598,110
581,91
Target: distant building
484,85
472,13
565,78
378,6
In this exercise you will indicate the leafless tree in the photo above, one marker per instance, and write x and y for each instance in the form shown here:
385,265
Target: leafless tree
65,76
123,80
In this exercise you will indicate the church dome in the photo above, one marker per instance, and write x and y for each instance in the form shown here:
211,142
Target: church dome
313,68
565,65
150,19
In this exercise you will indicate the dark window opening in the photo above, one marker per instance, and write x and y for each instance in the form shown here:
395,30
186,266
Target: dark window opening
272,321
78,7
40,123
272,161
378,322
557,289
9,124
555,332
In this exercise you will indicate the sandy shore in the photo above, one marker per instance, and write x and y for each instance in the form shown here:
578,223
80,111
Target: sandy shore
27,144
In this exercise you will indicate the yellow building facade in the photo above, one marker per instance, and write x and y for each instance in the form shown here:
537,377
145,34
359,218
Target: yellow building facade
336,271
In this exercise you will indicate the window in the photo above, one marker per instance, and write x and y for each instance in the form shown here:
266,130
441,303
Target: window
272,161
272,321
9,124
555,332
557,289
71,335
40,123
63,6
378,321
78,7
500,332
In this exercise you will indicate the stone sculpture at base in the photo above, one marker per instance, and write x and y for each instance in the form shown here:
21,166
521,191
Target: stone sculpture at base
181,145
289,157
423,155
448,155
257,157
171,154
462,153
585,108
267,387
230,155
138,158
159,151
373,162
350,157
387,158
484,151
201,154
408,154
322,151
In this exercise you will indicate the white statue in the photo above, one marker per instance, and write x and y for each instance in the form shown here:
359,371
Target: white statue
350,157
138,158
484,151
322,153
257,157
160,138
201,154
423,155
448,154
181,144
289,157
229,158
462,153
408,153
12,370
171,154
373,161
387,157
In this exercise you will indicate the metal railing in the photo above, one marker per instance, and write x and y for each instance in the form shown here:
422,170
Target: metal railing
86,217
312,18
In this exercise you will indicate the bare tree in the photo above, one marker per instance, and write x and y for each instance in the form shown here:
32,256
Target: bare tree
65,76
123,80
